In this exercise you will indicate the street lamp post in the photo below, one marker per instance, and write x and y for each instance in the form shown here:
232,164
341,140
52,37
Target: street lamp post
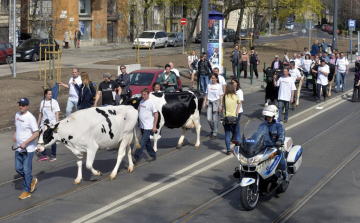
335,25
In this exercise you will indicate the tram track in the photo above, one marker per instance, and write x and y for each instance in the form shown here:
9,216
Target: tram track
300,202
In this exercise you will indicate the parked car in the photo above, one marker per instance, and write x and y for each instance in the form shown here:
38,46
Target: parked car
156,38
288,25
242,33
174,39
26,36
140,79
331,30
323,27
228,35
30,49
326,29
6,52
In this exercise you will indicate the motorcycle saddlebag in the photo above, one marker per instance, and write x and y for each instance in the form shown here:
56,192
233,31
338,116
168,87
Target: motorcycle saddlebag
294,159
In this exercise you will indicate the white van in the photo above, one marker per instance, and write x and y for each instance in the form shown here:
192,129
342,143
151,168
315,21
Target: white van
156,38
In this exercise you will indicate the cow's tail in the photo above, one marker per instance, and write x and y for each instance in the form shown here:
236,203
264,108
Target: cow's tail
136,139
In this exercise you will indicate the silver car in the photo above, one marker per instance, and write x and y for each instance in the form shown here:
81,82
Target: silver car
175,39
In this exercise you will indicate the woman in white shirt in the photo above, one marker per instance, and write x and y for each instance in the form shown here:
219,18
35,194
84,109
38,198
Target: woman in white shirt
240,94
306,68
214,104
192,70
49,111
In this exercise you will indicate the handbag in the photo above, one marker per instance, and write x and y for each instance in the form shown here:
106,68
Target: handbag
231,120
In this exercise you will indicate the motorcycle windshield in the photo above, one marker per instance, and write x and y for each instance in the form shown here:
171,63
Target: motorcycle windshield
254,138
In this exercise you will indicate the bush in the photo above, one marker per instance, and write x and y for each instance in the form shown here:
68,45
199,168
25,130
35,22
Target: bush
262,32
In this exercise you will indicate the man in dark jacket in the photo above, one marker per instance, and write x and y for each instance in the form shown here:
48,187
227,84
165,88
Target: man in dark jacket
204,70
277,64
235,59
123,81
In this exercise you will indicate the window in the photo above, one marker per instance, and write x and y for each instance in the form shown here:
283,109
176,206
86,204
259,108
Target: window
2,46
8,46
4,5
156,15
85,28
84,7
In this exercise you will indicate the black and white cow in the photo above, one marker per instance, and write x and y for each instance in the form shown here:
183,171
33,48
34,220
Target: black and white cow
271,91
86,131
178,109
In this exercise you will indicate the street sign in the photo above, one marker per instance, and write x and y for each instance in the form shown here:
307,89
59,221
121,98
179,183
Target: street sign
352,23
183,21
309,24
304,31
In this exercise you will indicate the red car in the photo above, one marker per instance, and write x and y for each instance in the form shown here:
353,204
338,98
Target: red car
331,30
140,79
6,52
326,28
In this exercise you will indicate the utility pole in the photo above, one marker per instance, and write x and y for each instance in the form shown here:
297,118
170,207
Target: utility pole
269,18
334,44
9,19
205,26
14,39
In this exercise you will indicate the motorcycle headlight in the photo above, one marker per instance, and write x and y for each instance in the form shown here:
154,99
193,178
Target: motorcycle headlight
252,160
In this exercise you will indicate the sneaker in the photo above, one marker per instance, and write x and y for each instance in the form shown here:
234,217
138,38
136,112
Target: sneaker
33,183
52,158
134,161
42,158
150,159
285,121
24,195
212,137
228,153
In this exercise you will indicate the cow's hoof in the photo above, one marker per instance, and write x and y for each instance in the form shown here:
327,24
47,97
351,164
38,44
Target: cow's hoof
196,147
112,177
99,173
77,182
178,146
130,170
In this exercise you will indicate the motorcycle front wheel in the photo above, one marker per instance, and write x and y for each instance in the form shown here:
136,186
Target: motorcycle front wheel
249,198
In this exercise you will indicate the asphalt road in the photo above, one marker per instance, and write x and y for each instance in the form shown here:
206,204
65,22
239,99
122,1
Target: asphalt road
179,181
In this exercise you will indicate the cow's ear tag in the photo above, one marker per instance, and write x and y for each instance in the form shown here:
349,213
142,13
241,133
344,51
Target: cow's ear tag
55,130
134,101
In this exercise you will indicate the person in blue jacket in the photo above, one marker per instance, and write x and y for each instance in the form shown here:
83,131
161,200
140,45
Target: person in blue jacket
274,133
86,92
314,48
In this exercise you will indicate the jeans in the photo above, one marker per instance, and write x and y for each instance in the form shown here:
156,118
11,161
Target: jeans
23,166
145,143
234,67
306,75
281,105
204,81
69,107
340,77
237,130
212,115
282,161
228,129
319,87
53,150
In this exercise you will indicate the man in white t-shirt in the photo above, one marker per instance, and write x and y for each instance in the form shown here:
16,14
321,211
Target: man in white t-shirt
222,81
341,70
322,80
294,72
73,92
148,118
25,134
286,93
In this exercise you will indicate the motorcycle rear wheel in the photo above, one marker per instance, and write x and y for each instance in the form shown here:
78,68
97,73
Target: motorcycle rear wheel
248,198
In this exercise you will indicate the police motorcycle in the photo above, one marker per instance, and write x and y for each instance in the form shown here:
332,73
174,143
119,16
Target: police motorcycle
259,171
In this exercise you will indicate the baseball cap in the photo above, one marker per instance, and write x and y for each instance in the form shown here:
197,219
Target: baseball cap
276,56
24,101
106,75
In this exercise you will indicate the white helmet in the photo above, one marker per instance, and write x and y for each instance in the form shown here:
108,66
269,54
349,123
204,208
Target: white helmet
271,111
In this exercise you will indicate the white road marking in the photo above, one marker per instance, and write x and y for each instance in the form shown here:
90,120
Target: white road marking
91,217
319,108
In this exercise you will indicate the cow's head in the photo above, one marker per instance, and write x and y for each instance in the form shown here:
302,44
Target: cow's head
46,137
133,101
269,74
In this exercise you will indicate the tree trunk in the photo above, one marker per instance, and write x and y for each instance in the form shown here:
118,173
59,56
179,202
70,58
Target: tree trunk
193,26
236,41
145,26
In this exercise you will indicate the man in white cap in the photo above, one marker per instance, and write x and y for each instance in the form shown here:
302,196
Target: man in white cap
277,64
26,133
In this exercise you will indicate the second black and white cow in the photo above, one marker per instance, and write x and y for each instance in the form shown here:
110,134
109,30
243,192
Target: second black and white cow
86,131
179,109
